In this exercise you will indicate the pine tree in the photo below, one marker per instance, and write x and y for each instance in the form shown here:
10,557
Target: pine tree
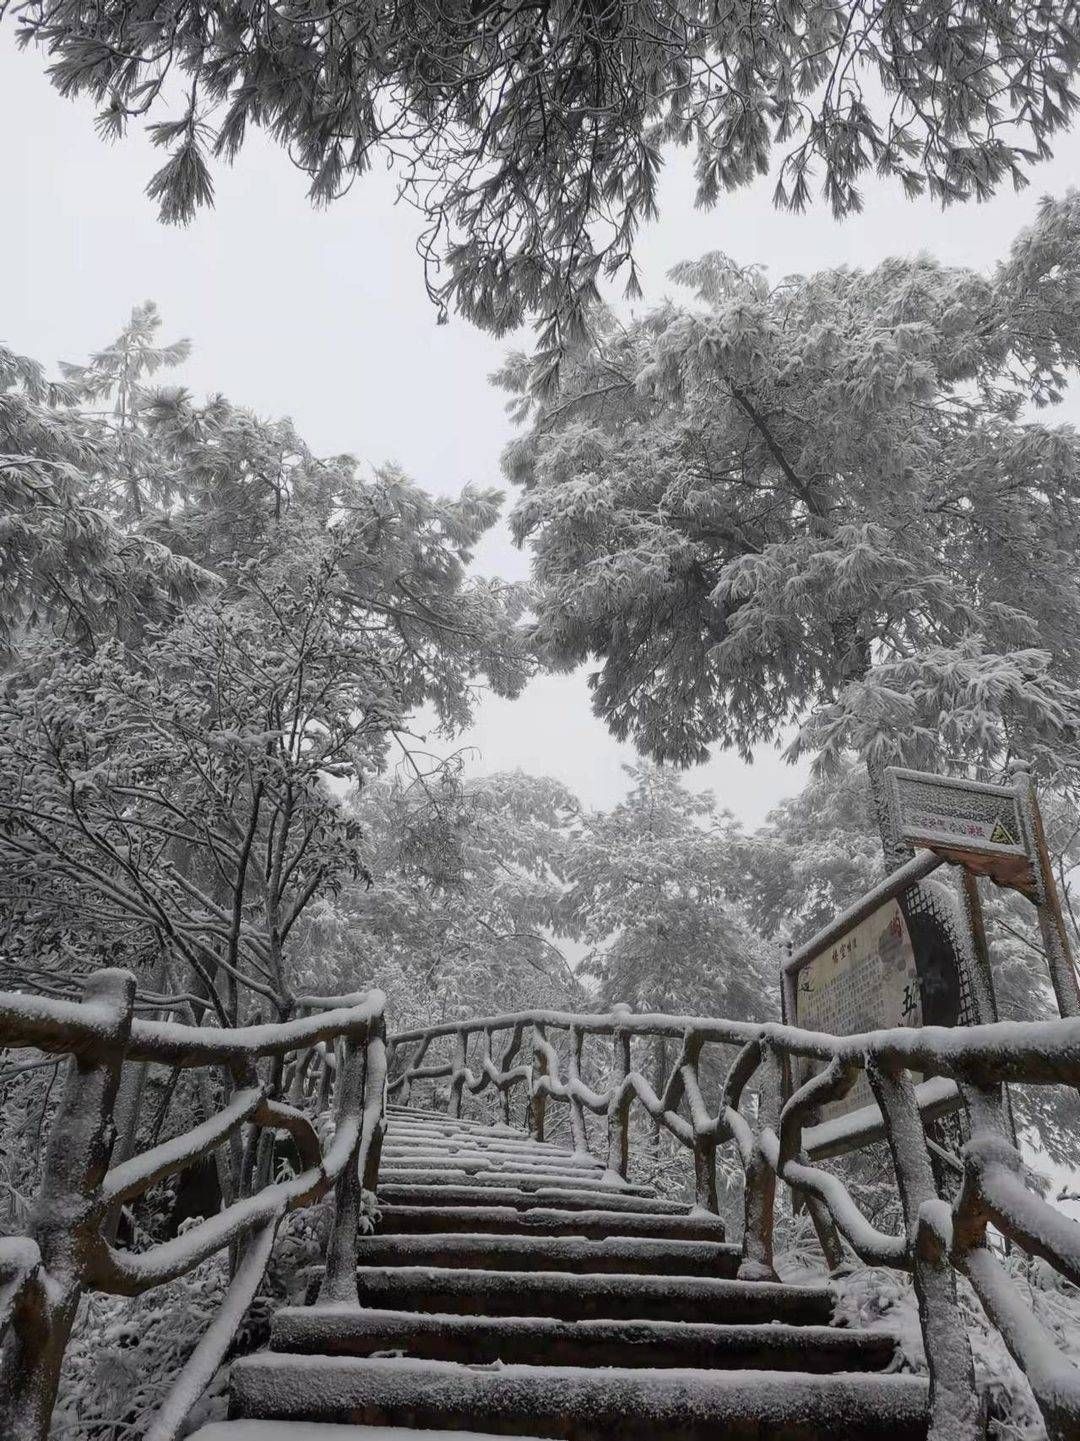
532,138
822,504
69,557
652,890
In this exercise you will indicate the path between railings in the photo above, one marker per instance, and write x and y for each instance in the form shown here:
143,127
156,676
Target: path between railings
579,1202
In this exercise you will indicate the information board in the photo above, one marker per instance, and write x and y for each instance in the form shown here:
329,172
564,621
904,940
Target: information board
867,980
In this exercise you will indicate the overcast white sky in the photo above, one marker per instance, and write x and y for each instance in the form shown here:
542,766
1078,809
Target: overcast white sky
323,316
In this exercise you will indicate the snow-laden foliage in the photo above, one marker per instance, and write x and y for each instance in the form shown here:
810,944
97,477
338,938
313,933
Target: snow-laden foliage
494,892
821,504
884,1300
67,557
532,138
173,774
650,895
176,801
463,879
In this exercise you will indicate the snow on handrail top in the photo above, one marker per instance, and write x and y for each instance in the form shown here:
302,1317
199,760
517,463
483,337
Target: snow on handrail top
1042,1052
197,1045
75,1027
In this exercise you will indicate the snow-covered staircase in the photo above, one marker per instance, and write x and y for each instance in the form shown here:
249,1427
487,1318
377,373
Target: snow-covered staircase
517,1288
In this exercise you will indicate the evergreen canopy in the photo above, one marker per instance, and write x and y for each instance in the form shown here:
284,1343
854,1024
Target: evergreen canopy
822,503
531,136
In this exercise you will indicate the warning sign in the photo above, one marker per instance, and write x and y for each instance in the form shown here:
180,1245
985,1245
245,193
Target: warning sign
980,825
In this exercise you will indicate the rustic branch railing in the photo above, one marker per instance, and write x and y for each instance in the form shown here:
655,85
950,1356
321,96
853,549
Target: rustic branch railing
941,1237
69,1248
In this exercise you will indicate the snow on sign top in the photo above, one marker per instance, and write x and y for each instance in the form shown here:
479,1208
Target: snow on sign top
980,825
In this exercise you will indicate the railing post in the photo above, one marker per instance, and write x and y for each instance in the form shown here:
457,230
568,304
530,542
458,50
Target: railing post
685,1081
510,1050
326,1075
954,1408
489,1061
618,1114
457,1078
759,1194
339,1275
410,1064
376,1072
577,1110
65,1223
537,1098
827,1234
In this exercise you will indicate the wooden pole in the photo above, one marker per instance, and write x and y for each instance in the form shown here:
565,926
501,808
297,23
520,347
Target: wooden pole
1047,901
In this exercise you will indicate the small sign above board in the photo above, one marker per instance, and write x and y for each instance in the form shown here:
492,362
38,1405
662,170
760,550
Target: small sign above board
980,826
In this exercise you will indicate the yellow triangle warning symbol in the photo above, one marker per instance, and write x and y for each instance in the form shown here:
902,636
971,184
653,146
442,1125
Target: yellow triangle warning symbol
1001,835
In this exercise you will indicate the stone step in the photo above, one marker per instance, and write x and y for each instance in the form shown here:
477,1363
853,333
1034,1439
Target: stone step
451,1175
432,1135
436,1131
540,1341
616,1404
461,1160
439,1120
625,1255
578,1198
468,1149
472,1140
570,1297
401,1124
409,1220
492,1161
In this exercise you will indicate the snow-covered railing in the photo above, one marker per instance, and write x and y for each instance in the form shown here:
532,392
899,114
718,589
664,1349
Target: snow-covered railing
69,1248
942,1235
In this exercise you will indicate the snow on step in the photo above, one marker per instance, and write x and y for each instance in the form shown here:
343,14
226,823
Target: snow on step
583,1405
624,1254
439,1121
578,1198
467,1149
327,1431
332,1330
501,1138
467,1145
451,1175
515,1145
459,1161
407,1220
571,1297
518,1288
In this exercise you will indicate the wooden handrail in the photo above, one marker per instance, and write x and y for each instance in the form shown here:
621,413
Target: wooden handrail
69,1251
339,1051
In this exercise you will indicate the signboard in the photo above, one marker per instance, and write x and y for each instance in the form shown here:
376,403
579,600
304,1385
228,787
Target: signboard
913,951
865,980
980,826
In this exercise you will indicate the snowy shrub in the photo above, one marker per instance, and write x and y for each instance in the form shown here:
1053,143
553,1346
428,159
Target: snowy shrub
876,1299
125,1352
